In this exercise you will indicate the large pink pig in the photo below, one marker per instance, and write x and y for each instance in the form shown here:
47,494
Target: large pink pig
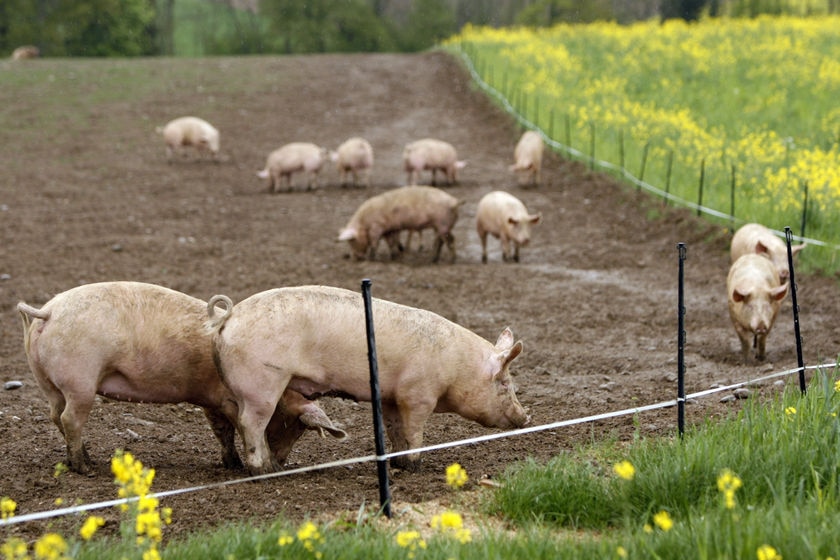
190,132
137,342
430,154
291,158
505,217
754,295
528,155
312,339
412,208
353,157
756,238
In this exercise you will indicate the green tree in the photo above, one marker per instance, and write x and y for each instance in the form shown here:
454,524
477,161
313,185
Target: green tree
428,22
106,27
548,12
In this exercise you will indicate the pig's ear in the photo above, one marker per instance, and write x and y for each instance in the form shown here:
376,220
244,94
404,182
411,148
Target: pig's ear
535,219
760,248
513,221
780,292
505,339
508,355
796,248
347,234
318,420
739,295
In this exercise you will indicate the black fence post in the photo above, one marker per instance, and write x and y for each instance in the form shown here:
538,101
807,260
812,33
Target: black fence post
732,198
804,211
792,287
376,401
644,164
702,180
668,176
681,342
591,145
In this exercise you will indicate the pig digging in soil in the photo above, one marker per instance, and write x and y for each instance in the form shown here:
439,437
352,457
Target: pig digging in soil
131,341
292,158
528,156
409,209
430,154
190,132
311,339
354,157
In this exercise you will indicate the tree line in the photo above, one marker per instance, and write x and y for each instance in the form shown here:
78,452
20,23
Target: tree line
99,28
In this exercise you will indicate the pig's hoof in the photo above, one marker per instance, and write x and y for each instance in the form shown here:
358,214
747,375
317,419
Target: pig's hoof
232,462
406,464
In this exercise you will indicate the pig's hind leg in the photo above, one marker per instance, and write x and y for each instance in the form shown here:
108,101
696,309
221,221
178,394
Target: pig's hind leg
224,431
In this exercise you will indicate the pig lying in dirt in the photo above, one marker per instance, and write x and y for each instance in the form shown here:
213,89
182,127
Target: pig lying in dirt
433,155
138,342
405,208
190,131
756,238
311,339
353,157
283,162
754,295
503,216
528,155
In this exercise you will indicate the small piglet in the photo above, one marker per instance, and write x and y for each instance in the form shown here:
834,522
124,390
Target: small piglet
311,339
754,295
354,156
505,217
291,158
430,154
405,208
190,132
137,342
528,155
758,239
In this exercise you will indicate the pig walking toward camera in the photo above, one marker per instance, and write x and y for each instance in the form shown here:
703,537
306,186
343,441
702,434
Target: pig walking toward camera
432,155
528,155
505,217
292,158
136,342
754,295
353,157
758,239
405,208
190,132
311,339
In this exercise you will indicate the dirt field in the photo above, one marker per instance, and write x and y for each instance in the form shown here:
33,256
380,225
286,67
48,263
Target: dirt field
594,298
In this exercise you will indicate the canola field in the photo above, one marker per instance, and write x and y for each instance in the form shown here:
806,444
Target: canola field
738,115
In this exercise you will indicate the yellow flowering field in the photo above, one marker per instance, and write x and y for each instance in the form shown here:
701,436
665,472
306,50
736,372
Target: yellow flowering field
750,105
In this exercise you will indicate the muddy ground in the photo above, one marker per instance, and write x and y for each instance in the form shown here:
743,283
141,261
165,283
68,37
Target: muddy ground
594,298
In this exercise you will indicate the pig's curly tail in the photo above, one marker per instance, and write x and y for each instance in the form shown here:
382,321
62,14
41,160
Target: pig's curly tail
27,313
217,319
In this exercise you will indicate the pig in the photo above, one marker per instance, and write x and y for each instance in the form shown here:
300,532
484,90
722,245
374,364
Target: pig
756,238
291,158
131,341
404,208
354,156
754,294
190,131
311,339
528,155
25,52
431,154
505,217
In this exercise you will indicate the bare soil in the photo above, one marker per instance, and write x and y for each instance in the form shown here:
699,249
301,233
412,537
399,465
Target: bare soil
594,298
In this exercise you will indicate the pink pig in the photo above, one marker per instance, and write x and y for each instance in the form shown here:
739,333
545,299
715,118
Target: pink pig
528,155
758,239
505,217
190,132
291,158
432,155
354,156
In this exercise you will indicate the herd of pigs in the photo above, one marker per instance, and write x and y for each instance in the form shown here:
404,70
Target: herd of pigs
257,367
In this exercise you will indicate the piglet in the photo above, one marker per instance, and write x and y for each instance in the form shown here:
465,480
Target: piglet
353,157
505,217
291,158
430,154
528,155
190,132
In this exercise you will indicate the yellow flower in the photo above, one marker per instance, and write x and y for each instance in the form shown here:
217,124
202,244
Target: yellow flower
447,520
60,469
412,540
625,470
51,546
151,554
58,501
308,531
663,520
621,552
7,507
647,528
14,548
767,552
456,475
790,411
90,526
285,540
837,386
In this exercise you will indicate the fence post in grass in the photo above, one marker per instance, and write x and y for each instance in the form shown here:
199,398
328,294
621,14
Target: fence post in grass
621,150
792,287
668,177
551,124
804,211
732,198
536,120
591,145
700,189
681,342
376,401
568,131
644,163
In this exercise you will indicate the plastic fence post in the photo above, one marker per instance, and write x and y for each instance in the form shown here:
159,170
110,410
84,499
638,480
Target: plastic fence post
668,176
568,131
700,189
376,401
681,341
621,149
792,287
804,211
732,198
644,164
591,145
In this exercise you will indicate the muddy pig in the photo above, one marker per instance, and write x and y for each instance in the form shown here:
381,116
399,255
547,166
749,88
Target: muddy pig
130,341
312,339
190,131
354,156
528,155
756,238
432,155
503,216
405,208
283,162
754,295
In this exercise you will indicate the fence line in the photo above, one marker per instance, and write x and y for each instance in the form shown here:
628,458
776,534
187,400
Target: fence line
606,165
370,458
